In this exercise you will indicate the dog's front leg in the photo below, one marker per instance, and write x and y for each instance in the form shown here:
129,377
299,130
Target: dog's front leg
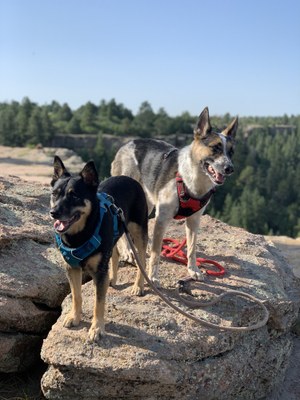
114,265
192,225
158,232
75,279
97,328
97,267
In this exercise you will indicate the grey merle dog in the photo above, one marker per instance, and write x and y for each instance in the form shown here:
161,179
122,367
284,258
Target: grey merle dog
179,183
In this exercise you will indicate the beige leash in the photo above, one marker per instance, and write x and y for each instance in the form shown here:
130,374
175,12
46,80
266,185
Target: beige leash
196,304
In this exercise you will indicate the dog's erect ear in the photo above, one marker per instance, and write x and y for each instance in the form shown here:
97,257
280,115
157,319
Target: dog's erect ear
90,174
59,170
231,128
203,126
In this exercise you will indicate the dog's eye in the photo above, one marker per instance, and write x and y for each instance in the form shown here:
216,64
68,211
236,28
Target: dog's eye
217,149
72,194
230,152
55,193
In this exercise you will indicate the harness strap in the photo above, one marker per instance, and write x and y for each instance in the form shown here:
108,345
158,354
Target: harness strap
73,256
108,201
189,205
168,153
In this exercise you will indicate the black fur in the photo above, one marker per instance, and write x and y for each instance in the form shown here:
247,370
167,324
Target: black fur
74,198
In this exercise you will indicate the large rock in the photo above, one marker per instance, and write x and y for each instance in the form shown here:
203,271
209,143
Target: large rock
35,164
152,352
32,282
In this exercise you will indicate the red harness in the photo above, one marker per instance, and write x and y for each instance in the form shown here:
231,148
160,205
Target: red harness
189,205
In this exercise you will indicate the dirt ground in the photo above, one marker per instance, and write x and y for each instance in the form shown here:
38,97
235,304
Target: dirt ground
36,165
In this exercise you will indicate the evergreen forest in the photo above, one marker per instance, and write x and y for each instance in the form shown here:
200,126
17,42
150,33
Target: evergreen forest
262,196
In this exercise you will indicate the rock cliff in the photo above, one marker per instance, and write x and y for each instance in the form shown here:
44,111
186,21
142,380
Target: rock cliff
32,283
151,352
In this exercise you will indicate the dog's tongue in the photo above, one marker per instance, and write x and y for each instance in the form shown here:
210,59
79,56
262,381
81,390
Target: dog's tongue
219,177
60,225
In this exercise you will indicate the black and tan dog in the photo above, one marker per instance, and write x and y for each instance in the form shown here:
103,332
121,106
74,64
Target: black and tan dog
87,226
179,183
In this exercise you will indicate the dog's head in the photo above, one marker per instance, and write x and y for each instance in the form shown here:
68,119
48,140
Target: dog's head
212,150
72,196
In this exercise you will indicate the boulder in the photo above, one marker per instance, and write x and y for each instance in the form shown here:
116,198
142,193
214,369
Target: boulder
35,164
152,352
32,282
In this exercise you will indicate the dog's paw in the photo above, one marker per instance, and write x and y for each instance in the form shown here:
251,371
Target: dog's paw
113,283
156,282
96,332
125,253
196,274
137,291
71,320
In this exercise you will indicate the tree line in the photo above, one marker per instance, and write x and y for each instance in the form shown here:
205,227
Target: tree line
262,196
28,123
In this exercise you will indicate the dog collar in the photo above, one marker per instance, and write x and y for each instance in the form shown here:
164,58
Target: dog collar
189,205
74,256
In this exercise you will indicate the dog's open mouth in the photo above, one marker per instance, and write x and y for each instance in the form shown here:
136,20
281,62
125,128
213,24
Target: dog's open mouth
62,226
214,175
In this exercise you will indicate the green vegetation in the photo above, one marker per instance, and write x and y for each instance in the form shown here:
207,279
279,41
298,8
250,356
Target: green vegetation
263,195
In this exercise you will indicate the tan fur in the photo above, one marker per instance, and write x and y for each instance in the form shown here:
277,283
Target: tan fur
230,127
135,232
114,265
75,279
190,170
79,225
199,152
92,263
97,328
203,126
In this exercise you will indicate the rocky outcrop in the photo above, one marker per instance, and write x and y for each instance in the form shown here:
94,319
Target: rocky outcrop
32,283
152,352
35,164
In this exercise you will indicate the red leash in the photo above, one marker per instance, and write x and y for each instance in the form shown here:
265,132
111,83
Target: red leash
175,252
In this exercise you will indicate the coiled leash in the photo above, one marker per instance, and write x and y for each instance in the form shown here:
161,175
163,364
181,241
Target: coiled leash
172,249
196,304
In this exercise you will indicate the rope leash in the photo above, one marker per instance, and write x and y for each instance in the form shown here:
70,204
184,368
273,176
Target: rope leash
194,304
172,249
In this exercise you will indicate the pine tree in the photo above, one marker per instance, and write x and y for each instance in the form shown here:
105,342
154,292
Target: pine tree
22,119
88,118
7,127
35,128
73,126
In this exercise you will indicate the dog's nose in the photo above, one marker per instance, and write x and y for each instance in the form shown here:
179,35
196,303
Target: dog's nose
228,169
54,214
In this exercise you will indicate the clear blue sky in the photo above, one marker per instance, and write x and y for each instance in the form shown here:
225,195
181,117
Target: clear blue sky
236,56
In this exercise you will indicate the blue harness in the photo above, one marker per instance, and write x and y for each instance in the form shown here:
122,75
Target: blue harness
73,256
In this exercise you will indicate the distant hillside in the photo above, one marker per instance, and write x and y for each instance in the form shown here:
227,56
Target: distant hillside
263,195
